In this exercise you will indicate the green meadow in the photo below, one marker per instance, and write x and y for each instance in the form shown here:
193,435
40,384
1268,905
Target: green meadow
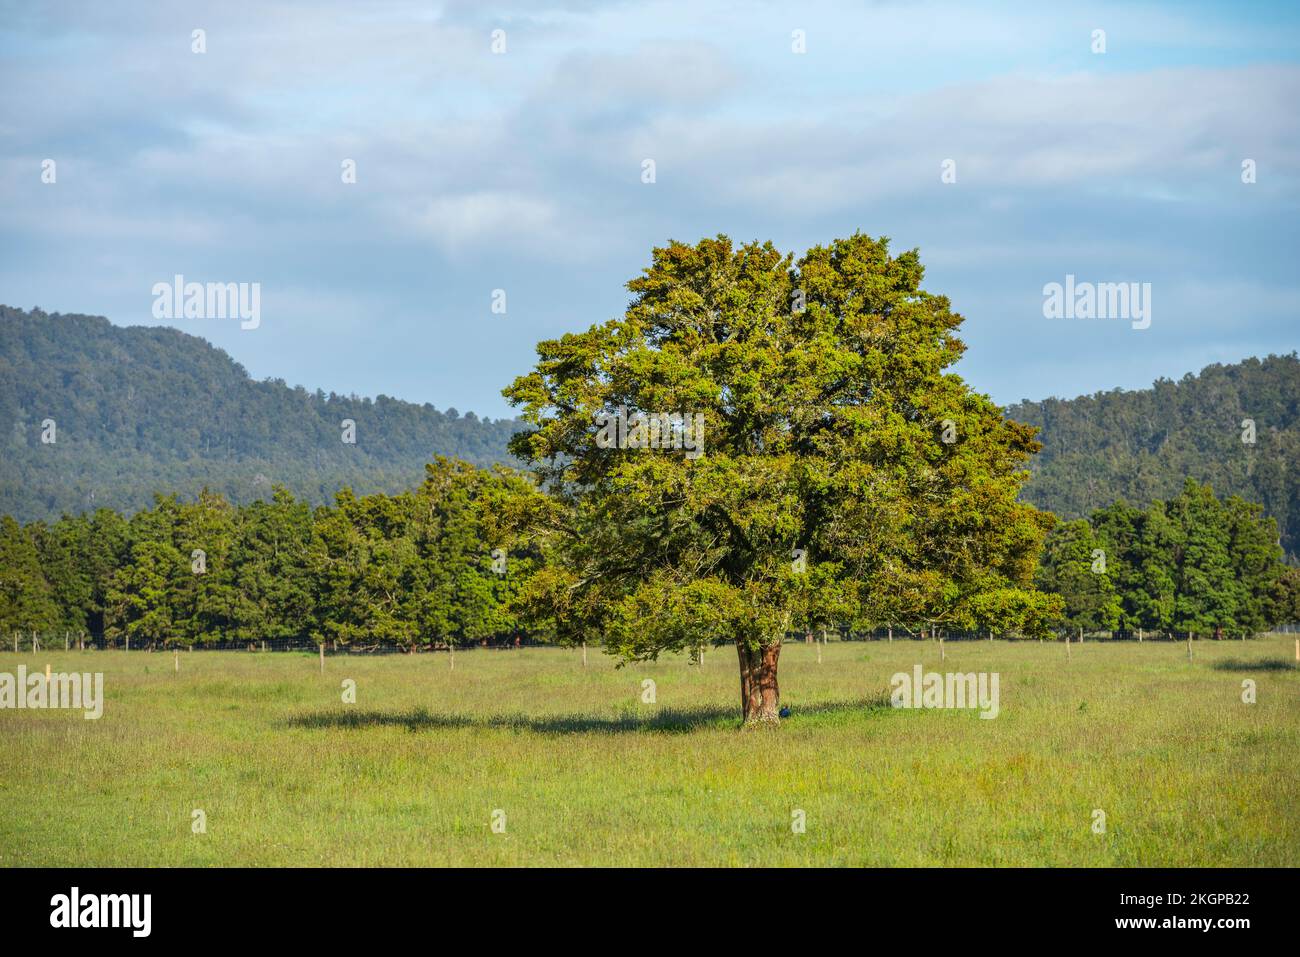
582,771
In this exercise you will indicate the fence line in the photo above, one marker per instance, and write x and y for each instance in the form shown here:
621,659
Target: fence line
74,640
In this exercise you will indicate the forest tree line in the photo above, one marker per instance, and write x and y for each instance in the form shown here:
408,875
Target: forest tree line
143,408
1195,564
436,567
1234,426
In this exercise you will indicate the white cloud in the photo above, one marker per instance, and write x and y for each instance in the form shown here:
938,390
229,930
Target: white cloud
458,222
522,170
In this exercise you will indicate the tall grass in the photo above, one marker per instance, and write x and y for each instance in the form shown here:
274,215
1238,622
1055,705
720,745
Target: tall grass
586,773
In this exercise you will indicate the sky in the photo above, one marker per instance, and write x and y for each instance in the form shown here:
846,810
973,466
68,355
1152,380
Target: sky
999,140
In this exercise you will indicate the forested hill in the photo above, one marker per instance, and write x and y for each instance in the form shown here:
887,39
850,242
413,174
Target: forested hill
1140,445
139,410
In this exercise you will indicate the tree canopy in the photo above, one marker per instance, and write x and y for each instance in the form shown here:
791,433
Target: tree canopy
846,475
1193,564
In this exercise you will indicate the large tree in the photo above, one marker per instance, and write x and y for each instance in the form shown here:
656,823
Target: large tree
27,602
364,568
1077,566
421,568
272,577
842,474
468,570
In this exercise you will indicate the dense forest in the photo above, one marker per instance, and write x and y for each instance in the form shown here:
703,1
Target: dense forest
1195,564
411,569
140,410
436,567
1140,446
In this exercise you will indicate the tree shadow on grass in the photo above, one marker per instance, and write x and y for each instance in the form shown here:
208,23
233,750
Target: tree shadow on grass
664,721
1261,664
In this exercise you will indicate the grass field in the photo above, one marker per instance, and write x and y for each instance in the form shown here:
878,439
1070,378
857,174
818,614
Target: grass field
586,774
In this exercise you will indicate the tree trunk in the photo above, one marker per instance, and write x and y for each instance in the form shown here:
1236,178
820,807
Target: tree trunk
760,698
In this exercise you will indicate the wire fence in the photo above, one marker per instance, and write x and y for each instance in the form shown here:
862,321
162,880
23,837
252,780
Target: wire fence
74,640
931,633
33,640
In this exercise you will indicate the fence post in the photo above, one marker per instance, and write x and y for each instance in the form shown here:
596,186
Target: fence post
322,657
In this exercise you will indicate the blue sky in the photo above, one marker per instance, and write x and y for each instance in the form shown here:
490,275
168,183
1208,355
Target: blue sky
522,171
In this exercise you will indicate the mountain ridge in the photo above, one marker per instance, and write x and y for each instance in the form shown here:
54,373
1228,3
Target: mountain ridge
140,409
1232,425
